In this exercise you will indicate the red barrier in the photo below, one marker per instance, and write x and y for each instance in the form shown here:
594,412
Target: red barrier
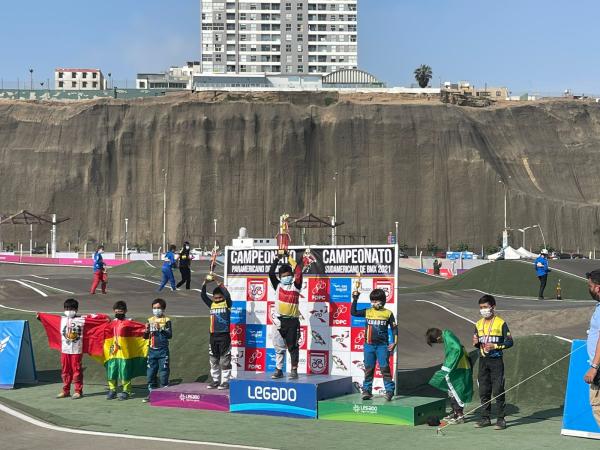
84,262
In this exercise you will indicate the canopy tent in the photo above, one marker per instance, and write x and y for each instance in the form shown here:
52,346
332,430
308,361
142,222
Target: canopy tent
526,254
506,253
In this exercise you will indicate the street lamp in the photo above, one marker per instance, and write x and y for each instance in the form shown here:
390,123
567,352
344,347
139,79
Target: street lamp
126,247
523,230
164,234
505,231
109,79
215,222
396,232
31,79
334,218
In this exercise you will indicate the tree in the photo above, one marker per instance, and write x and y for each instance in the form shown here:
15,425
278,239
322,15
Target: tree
423,74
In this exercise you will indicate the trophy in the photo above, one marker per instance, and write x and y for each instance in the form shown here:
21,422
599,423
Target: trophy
213,262
283,237
357,282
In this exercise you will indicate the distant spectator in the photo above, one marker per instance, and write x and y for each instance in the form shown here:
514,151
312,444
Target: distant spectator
436,267
541,270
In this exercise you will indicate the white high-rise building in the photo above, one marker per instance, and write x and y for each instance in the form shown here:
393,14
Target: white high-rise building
287,36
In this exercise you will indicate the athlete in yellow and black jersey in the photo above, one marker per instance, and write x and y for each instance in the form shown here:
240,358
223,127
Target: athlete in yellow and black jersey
491,337
377,349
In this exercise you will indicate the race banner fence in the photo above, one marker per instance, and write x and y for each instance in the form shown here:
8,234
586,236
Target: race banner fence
332,341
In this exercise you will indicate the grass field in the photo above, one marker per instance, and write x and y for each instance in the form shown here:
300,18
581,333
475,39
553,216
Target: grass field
510,278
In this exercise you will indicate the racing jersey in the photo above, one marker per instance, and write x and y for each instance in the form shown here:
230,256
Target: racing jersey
220,313
288,296
493,331
377,323
98,262
167,265
159,332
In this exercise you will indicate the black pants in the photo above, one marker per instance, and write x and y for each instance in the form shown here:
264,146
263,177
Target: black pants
186,277
491,382
543,279
290,332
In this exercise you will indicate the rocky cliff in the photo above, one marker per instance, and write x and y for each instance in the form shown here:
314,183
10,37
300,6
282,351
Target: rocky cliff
244,160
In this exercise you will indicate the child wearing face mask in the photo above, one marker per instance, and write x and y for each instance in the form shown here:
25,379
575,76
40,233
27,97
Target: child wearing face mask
287,288
377,349
158,332
70,334
491,337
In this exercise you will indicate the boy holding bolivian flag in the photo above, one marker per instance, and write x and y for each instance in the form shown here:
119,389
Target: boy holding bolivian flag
455,375
125,351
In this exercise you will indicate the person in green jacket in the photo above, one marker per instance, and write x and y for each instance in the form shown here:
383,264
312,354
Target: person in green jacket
455,375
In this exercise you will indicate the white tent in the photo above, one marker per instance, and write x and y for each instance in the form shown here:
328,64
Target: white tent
526,253
507,253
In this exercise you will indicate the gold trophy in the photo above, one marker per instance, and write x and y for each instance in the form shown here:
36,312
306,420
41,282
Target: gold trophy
357,283
283,237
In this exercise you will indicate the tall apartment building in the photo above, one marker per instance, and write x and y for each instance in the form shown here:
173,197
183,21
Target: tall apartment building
287,36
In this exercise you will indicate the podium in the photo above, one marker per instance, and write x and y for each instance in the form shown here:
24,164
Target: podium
299,398
192,396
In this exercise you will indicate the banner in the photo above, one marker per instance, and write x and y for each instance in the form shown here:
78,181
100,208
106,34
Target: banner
16,354
578,419
332,340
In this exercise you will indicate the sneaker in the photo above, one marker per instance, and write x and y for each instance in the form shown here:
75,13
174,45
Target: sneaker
500,424
111,395
293,374
367,395
62,395
146,400
213,385
540,298
277,374
77,395
389,396
123,395
458,418
223,386
483,423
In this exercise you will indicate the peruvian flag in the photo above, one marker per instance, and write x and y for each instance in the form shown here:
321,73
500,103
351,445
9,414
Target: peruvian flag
82,334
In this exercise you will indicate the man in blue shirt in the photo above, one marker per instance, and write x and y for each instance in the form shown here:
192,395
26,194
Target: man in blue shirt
100,276
592,376
167,269
541,270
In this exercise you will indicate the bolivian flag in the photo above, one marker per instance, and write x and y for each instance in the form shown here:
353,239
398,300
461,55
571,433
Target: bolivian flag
125,350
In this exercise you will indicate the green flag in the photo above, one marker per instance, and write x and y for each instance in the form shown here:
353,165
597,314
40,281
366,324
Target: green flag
456,375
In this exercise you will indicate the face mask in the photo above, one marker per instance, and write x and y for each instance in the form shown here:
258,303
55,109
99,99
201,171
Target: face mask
486,312
70,314
377,305
187,247
287,280
157,312
120,316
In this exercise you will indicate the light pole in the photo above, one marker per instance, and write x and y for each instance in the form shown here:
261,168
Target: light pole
30,239
164,236
334,218
543,239
215,222
396,232
31,79
109,79
505,231
126,247
523,230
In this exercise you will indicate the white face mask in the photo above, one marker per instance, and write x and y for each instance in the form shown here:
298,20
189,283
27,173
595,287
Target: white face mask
377,305
157,312
486,312
287,280
187,247
70,313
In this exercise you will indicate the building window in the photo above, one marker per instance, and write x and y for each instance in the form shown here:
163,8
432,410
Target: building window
60,84
73,84
60,74
73,74
288,6
95,84
142,85
84,75
85,84
300,69
299,6
288,48
300,18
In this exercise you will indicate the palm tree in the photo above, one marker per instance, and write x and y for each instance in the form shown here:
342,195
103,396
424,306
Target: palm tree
423,74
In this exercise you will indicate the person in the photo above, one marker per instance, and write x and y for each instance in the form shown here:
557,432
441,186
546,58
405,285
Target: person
120,312
185,261
219,348
73,335
287,317
456,375
158,332
592,376
436,267
541,270
377,348
491,337
167,269
100,275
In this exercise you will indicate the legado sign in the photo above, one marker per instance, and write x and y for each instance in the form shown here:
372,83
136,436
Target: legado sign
331,338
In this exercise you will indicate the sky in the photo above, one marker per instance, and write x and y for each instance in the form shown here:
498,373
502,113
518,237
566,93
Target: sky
530,46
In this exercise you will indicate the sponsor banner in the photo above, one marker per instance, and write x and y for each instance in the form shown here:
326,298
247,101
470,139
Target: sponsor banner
272,360
578,418
16,354
238,360
274,398
331,340
59,261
